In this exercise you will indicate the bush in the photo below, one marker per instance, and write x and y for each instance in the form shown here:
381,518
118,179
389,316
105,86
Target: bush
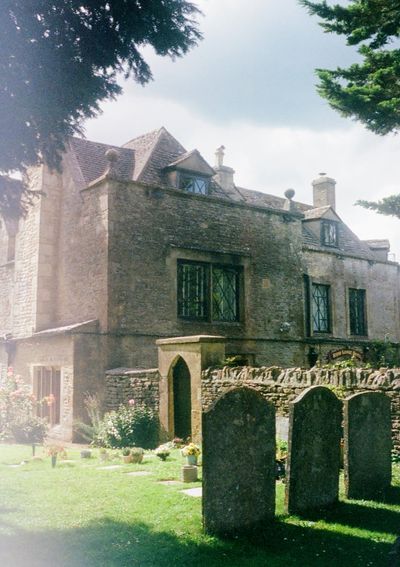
30,430
88,432
17,408
129,426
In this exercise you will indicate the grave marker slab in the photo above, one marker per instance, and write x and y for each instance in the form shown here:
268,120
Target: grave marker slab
238,463
367,445
314,450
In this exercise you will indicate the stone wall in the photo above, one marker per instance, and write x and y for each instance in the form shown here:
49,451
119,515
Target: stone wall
151,229
379,279
283,385
124,384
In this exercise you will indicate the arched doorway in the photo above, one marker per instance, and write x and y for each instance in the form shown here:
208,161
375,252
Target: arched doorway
182,400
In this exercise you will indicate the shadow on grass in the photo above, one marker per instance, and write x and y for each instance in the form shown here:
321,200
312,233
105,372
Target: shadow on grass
110,543
356,515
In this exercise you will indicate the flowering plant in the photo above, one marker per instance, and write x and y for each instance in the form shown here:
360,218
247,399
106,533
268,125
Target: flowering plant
162,452
55,450
191,449
17,408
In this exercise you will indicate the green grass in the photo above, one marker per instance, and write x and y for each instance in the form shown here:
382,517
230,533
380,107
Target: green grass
78,516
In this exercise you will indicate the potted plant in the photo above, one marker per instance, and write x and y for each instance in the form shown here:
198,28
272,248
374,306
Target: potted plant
53,451
162,452
137,455
191,452
126,455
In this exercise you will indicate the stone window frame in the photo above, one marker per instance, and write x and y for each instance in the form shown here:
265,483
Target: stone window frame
206,287
316,324
358,322
330,233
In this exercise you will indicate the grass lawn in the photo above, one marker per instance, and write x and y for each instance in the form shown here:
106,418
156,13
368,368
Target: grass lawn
77,515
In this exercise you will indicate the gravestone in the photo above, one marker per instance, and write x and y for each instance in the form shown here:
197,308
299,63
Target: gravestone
367,445
314,450
238,463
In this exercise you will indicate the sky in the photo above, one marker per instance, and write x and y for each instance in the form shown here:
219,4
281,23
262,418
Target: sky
250,85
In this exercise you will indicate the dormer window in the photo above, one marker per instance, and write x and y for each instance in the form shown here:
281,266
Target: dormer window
193,183
329,233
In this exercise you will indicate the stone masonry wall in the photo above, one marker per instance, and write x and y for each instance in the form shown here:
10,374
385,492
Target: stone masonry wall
283,385
124,384
152,229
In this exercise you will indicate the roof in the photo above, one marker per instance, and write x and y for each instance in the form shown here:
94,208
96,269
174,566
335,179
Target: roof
148,158
260,199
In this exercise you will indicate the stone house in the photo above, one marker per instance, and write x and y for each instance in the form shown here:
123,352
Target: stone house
147,241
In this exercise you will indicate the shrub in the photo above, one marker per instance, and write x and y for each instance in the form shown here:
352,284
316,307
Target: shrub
89,432
30,430
129,426
17,406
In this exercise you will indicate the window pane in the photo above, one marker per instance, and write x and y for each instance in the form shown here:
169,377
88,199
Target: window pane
193,184
225,294
320,308
192,290
329,233
358,324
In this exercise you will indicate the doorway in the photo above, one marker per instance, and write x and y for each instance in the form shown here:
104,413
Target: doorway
182,400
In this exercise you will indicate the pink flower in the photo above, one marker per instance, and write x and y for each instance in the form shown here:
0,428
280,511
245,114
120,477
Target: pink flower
131,402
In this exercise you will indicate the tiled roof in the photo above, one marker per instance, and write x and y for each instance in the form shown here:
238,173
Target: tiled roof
265,200
92,162
378,244
145,159
153,151
349,243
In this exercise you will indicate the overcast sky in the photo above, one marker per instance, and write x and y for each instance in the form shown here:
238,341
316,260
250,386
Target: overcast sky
250,85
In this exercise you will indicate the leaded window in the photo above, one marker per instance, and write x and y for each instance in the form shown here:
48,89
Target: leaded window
329,233
320,308
208,292
225,288
192,290
193,183
357,312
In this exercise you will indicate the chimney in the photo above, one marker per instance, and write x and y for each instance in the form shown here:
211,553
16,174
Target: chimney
223,174
324,191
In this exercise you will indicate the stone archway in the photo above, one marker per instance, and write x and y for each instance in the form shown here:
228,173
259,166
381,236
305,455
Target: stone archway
196,353
182,402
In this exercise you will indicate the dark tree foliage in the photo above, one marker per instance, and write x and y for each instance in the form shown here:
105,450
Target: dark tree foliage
59,59
387,206
368,91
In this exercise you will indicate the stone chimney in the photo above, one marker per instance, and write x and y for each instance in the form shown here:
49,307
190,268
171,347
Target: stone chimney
223,174
324,191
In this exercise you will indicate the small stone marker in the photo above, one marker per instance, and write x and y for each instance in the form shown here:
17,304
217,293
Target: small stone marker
109,468
314,450
238,463
195,492
367,445
189,473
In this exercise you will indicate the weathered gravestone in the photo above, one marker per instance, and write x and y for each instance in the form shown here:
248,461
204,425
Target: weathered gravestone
238,463
367,445
314,450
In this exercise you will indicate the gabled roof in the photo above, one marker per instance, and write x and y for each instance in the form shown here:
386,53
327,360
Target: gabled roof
320,212
192,161
153,152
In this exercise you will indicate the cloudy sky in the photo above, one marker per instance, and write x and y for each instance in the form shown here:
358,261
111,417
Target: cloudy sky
250,85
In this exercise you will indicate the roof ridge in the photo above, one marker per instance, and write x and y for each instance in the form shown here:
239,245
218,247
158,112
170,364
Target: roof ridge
160,133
